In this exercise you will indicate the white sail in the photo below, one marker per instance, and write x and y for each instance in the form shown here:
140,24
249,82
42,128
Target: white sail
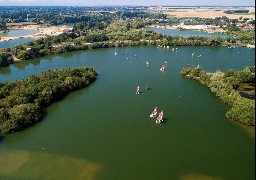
147,63
160,117
162,68
154,113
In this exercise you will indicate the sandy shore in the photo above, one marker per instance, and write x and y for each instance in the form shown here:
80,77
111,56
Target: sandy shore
43,31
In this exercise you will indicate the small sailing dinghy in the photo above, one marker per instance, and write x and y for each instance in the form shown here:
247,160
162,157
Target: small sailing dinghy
153,114
162,68
147,63
159,119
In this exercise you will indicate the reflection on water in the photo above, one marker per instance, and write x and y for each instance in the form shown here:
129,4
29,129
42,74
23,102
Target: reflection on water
1,139
22,65
5,70
250,130
42,165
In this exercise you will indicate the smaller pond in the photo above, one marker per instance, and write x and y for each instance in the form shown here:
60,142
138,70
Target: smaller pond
66,24
185,33
10,43
15,33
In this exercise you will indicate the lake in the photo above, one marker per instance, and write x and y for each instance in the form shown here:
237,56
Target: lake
104,132
185,33
14,42
15,33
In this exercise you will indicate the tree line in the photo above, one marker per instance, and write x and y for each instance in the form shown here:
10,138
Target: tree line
22,102
236,11
224,86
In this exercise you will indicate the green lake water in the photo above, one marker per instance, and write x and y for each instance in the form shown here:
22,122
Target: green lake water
104,132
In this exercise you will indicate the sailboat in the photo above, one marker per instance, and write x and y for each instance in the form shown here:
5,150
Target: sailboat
159,119
115,53
147,63
162,68
138,90
153,114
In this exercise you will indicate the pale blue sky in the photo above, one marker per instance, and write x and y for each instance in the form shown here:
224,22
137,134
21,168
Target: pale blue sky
126,2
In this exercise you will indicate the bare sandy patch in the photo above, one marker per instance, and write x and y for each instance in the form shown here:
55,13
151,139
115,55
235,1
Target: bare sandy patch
195,176
21,164
11,161
43,31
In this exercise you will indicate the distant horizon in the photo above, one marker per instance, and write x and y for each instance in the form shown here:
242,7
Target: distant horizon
121,6
88,3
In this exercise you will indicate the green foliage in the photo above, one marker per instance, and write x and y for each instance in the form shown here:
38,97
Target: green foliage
223,85
233,27
5,59
23,54
2,24
22,102
243,111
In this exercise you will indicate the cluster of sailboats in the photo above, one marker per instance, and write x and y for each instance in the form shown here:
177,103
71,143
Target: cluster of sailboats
162,67
159,118
138,89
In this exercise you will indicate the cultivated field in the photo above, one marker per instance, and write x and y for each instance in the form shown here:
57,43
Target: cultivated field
204,12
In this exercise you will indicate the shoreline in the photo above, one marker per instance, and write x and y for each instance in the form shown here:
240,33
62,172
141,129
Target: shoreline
43,31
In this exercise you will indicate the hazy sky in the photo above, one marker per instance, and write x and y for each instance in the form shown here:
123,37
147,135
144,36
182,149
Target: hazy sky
125,2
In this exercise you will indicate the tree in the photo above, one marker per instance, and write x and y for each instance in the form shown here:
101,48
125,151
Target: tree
23,55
